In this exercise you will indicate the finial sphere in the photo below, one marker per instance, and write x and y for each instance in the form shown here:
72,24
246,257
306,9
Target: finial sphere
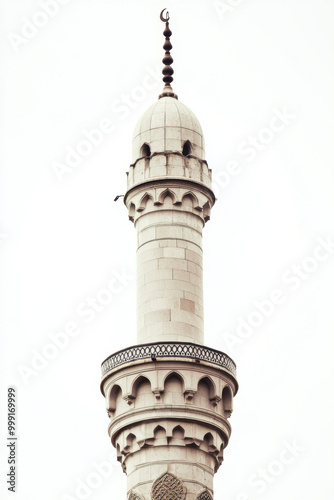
164,19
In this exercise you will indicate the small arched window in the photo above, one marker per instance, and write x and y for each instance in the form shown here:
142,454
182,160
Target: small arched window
186,148
145,150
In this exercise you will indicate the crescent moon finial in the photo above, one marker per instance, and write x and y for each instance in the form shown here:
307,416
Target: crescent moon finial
167,60
164,19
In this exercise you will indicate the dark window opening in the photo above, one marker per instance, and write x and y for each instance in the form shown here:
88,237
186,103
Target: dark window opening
186,148
145,150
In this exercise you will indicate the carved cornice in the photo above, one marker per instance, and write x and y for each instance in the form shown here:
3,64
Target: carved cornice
177,413
182,437
178,182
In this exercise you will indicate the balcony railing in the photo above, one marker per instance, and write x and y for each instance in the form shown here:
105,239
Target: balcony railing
163,350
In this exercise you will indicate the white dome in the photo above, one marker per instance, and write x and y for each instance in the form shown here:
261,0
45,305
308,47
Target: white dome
166,126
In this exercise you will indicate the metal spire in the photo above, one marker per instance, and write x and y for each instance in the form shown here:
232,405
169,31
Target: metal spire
167,60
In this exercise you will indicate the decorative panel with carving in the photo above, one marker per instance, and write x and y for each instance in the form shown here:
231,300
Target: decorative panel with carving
168,487
205,495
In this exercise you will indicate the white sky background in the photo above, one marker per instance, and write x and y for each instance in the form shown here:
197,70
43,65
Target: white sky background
61,241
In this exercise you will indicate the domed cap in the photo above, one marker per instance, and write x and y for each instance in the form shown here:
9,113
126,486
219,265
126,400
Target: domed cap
168,125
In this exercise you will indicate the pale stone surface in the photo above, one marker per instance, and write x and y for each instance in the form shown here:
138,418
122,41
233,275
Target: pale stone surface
166,121
169,267
193,470
171,165
177,422
169,415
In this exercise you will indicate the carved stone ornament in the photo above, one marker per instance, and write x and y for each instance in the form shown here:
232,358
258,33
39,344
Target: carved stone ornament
189,395
205,495
157,393
168,487
135,496
129,399
215,400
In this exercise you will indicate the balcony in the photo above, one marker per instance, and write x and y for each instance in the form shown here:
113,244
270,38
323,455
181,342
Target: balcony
161,351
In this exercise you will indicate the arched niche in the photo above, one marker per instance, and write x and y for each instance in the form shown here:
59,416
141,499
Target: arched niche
116,403
208,439
206,211
173,389
209,444
132,211
131,444
166,198
145,202
142,392
114,395
205,392
177,438
189,200
227,398
160,438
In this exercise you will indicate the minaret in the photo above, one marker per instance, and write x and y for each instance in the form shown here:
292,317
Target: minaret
169,396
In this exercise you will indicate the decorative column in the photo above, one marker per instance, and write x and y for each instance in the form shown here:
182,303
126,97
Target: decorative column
169,397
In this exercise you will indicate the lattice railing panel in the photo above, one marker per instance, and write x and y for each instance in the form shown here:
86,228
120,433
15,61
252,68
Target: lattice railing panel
163,350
